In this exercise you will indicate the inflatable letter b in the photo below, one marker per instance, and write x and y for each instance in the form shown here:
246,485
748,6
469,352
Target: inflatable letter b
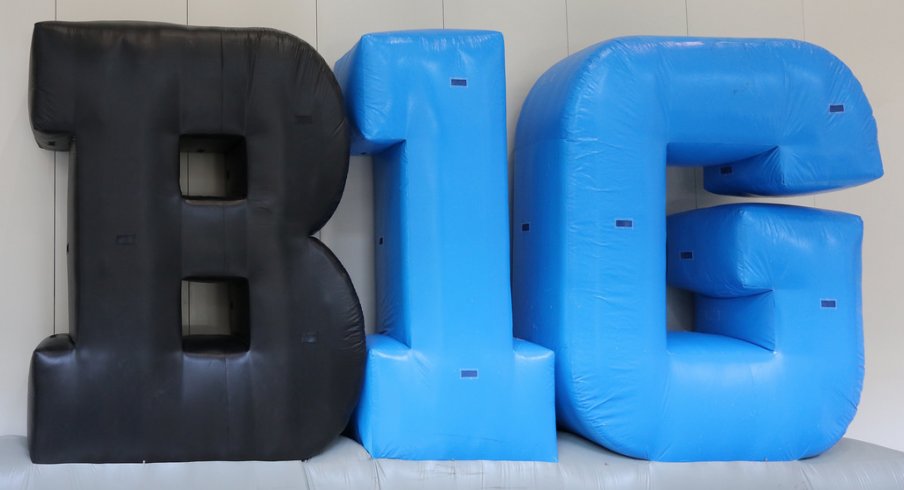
125,385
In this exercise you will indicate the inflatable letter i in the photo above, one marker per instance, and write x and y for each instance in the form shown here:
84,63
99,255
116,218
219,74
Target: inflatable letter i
445,379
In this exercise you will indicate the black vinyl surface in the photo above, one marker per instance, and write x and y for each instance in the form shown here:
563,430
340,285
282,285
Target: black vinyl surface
125,385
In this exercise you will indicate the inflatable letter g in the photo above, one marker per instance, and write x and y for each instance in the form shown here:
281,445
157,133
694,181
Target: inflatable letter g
774,366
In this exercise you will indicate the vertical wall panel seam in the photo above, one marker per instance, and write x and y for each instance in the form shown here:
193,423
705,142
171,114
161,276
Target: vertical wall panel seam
53,248
803,29
53,283
187,192
697,170
567,32
687,21
319,234
803,18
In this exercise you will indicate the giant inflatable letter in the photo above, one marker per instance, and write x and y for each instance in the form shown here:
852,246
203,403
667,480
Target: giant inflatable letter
125,385
774,368
445,380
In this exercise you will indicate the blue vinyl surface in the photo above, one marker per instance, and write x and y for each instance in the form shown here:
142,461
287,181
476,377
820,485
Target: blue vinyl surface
445,378
774,368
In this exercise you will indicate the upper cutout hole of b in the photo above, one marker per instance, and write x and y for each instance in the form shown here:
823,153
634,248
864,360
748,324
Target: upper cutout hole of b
214,167
836,108
459,82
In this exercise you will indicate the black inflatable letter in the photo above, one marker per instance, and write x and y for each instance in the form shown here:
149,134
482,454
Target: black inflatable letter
124,385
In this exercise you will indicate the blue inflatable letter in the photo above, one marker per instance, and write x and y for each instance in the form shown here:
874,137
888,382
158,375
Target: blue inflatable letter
774,367
445,380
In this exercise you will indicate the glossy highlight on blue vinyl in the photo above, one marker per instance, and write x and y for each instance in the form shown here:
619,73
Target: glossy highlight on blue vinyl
774,367
445,378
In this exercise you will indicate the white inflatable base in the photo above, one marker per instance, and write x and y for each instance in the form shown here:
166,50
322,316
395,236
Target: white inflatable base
849,465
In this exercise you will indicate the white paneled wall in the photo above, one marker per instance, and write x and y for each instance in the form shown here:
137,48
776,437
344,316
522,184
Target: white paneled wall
590,21
26,217
865,34
296,16
155,10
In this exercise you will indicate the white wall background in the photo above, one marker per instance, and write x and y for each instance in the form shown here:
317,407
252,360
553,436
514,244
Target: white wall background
863,33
